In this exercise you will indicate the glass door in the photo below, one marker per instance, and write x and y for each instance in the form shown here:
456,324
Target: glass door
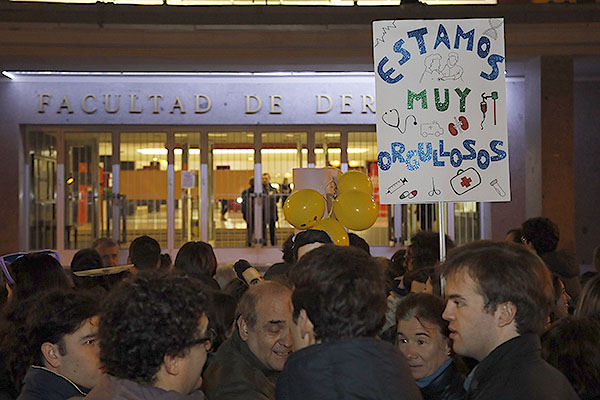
87,159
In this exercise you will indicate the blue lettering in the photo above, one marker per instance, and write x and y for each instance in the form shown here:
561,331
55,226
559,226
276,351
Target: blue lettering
418,34
412,166
442,37
493,61
397,150
483,159
425,156
483,41
384,161
455,158
468,144
436,162
386,75
405,53
500,154
442,152
470,36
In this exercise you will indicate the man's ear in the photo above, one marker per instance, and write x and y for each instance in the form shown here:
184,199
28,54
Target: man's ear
305,324
171,364
51,354
242,328
506,314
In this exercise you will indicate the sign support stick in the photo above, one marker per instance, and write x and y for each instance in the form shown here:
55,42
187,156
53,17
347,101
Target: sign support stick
442,229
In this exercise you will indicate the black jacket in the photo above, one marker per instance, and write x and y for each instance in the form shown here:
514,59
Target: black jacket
447,386
515,370
236,374
43,384
349,369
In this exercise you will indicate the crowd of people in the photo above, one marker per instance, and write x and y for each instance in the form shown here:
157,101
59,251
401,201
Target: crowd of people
496,320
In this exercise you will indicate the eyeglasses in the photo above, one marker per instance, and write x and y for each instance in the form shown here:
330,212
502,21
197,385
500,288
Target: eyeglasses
8,259
206,341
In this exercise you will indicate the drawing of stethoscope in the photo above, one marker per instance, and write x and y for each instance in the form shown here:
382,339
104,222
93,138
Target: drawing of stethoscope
392,119
434,191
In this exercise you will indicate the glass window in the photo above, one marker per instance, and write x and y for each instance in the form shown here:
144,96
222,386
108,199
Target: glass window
143,186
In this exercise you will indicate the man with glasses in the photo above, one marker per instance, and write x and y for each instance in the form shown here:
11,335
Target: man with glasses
153,339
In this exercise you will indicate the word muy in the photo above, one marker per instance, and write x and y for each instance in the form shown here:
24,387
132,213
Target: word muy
425,153
440,105
484,47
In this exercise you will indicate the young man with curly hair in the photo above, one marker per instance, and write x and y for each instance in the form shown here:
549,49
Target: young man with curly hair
339,302
153,340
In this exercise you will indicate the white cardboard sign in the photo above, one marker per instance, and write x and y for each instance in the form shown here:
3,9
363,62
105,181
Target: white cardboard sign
441,110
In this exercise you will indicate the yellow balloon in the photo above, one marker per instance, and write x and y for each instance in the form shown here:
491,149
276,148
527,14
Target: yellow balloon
354,180
304,208
356,210
335,229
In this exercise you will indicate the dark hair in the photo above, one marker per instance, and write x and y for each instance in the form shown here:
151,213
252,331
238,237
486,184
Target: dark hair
165,262
51,316
104,242
247,305
37,272
542,232
147,318
359,243
221,315
423,307
516,235
287,248
144,253
589,301
506,272
86,259
309,236
342,290
398,267
196,259
235,288
425,248
571,346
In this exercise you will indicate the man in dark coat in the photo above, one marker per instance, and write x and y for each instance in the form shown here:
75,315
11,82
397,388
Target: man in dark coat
499,296
247,365
248,211
63,352
339,306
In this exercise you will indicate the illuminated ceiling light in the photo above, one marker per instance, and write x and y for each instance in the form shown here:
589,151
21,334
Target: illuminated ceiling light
233,151
152,152
357,150
335,163
353,163
279,151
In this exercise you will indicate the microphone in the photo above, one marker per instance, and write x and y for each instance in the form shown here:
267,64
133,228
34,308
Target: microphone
247,273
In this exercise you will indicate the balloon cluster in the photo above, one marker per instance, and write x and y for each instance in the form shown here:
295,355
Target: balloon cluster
354,208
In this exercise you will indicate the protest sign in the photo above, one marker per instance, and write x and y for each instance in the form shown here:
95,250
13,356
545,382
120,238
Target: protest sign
441,110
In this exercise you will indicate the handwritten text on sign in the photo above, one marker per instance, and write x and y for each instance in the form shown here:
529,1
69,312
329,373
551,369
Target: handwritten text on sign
441,111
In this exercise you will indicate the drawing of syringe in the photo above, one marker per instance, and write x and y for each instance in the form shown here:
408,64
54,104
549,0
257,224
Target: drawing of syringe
397,185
